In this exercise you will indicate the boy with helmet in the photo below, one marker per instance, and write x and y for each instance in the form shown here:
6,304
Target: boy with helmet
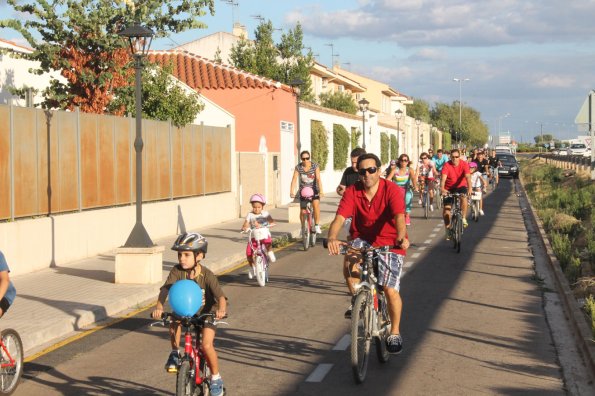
191,248
258,218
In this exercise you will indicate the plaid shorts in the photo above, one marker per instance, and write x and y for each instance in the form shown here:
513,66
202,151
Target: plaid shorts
390,266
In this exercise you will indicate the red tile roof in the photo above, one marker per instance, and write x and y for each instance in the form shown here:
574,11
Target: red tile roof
200,73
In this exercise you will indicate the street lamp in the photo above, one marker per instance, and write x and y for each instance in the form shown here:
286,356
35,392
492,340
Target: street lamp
398,115
363,106
460,81
140,39
417,122
296,88
500,123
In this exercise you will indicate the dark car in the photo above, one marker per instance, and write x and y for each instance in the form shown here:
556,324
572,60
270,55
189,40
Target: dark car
510,166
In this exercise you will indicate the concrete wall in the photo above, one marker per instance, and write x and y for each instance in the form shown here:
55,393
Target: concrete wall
35,244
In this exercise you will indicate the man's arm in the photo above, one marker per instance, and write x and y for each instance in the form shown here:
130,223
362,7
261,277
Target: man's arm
333,232
401,241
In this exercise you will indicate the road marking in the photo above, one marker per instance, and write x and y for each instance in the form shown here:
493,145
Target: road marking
427,241
319,372
415,255
432,235
421,249
343,343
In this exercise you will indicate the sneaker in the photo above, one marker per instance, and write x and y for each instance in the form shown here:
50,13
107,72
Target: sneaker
431,207
407,219
419,201
173,361
250,273
465,222
216,387
317,228
348,312
481,212
447,233
394,344
271,256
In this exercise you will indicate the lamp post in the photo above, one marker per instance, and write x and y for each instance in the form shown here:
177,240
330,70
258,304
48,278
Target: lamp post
417,122
296,88
500,123
398,115
140,39
363,106
460,81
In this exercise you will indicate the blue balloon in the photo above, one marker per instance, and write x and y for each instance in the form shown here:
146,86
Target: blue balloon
185,297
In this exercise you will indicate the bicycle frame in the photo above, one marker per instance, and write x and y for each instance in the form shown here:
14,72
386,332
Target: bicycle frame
11,361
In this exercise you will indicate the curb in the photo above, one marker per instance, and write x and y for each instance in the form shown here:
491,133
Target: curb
575,316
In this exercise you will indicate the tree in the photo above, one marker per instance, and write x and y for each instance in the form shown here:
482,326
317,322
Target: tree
545,138
419,109
283,62
471,131
79,39
341,101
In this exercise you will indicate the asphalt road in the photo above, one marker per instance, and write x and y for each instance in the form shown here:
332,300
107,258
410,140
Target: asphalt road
473,323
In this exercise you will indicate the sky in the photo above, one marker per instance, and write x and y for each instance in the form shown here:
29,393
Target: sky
530,63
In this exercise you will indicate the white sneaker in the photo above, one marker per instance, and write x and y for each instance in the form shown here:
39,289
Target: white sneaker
250,273
481,212
317,228
272,257
431,207
420,201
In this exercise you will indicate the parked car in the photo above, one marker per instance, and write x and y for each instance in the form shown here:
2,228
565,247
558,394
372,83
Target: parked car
587,152
576,149
555,151
510,166
503,149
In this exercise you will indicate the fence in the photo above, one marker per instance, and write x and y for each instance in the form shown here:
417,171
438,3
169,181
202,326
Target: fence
58,161
576,162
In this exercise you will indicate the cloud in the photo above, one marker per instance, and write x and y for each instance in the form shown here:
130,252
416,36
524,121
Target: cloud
554,81
460,23
428,54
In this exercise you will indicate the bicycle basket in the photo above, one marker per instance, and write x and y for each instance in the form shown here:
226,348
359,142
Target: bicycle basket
260,233
476,196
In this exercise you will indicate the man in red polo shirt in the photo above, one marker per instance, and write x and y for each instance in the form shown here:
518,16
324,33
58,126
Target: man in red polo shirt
377,207
456,177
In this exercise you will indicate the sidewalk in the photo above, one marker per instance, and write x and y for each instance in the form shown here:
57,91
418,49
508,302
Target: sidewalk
55,303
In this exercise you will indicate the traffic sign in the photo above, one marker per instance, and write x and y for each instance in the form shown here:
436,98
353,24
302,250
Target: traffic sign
583,114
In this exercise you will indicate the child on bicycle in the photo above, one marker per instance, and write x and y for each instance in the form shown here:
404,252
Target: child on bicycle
478,183
7,290
258,218
192,248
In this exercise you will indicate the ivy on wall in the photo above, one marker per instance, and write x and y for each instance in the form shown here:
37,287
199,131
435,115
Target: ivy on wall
394,147
435,139
319,144
356,134
384,147
340,146
446,141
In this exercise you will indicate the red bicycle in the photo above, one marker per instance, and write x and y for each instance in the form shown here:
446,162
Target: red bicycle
11,361
194,375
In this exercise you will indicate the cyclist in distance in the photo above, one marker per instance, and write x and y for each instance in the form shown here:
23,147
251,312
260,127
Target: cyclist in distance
258,218
404,177
308,174
7,290
439,160
350,175
377,207
456,178
427,172
192,248
494,164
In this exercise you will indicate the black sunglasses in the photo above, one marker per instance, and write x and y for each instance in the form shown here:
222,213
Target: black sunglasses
305,158
424,157
454,156
371,170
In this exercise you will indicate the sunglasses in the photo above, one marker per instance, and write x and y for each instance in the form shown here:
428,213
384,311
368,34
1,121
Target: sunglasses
454,156
305,158
424,157
371,170
404,159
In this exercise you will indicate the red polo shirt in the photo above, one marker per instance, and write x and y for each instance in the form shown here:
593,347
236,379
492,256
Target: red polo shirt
374,221
455,175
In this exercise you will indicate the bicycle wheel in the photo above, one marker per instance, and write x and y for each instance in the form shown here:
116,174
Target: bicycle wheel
476,210
313,237
306,235
205,374
384,330
259,269
437,198
10,374
360,336
185,385
426,203
453,227
459,233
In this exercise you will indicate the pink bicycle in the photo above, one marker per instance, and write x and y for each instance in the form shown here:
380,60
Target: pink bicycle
307,217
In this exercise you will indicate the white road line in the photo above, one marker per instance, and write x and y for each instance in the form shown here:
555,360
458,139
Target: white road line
432,235
415,255
427,241
319,372
408,264
343,343
436,229
421,249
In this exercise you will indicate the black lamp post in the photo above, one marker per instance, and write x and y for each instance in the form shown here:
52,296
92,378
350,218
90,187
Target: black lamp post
398,115
296,88
140,39
363,106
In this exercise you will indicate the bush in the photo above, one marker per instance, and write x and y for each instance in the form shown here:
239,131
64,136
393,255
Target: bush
394,147
446,141
319,144
356,134
340,146
342,101
590,310
384,147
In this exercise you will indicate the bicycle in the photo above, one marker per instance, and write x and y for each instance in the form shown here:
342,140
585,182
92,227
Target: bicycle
437,201
260,257
425,197
369,315
308,229
456,220
194,375
475,202
11,361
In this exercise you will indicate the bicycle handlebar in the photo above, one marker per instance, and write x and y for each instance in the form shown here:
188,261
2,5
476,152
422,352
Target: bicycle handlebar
347,245
208,317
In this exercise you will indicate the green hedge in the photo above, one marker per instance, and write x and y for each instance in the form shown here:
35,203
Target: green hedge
384,147
394,147
446,141
356,134
341,144
435,140
319,144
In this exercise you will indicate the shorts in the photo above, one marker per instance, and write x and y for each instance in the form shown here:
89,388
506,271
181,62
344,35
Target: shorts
390,265
460,190
4,305
253,245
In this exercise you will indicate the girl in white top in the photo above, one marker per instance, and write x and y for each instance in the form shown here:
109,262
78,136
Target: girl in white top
258,219
477,183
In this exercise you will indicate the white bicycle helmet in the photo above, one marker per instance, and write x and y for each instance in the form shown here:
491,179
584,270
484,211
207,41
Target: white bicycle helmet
191,242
